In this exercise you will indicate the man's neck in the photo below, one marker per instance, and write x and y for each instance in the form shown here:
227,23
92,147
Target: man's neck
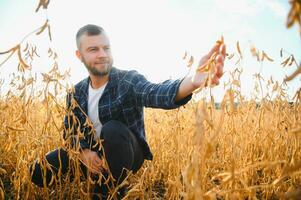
97,82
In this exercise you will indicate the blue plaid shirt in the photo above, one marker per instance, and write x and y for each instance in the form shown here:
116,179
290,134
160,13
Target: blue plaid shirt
123,99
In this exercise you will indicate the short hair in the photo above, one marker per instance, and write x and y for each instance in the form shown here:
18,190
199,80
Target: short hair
89,29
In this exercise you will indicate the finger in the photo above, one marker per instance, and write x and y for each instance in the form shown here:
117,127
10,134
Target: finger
90,164
99,160
96,169
223,49
100,163
214,49
91,168
219,70
97,164
215,80
219,63
219,58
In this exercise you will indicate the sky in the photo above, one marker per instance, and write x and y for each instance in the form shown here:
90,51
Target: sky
152,36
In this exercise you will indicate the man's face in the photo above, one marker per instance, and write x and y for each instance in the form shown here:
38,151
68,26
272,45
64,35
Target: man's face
94,51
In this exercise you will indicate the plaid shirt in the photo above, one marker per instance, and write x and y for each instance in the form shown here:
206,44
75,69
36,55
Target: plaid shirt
123,99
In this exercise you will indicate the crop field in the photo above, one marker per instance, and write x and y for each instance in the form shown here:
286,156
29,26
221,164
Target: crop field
238,149
242,147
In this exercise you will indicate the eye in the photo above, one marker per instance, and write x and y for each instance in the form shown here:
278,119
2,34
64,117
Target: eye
93,49
106,48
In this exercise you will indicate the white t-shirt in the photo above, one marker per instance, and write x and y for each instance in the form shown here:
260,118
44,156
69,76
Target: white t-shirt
94,96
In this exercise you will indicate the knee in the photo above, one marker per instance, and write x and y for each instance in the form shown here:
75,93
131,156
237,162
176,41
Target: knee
115,132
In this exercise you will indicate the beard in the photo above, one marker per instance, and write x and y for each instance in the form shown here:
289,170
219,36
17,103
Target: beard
97,72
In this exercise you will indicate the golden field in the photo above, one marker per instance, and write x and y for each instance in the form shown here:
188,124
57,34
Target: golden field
241,150
238,149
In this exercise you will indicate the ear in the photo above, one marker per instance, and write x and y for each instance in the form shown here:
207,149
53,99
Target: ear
78,55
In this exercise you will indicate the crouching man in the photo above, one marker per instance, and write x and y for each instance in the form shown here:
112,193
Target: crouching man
107,106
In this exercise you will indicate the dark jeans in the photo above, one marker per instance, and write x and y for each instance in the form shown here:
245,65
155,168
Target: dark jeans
121,150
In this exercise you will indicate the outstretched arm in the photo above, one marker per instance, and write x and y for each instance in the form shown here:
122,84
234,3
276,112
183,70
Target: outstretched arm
200,77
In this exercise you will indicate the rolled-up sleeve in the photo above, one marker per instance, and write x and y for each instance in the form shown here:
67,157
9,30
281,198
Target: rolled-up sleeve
157,95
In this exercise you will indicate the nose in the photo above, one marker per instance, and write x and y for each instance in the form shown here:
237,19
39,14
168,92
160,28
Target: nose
102,53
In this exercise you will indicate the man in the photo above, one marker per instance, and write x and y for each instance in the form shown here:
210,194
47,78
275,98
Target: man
108,105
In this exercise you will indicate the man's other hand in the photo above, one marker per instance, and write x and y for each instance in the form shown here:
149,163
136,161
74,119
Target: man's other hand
92,161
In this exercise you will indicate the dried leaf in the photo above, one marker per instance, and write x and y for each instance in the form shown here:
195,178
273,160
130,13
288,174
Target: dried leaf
238,49
293,75
281,53
294,13
297,95
50,52
49,32
185,55
292,60
15,128
230,56
296,130
275,87
2,195
254,52
190,62
236,83
34,51
42,3
11,50
10,55
23,64
284,63
45,25
2,171
265,56
55,56
26,48
293,194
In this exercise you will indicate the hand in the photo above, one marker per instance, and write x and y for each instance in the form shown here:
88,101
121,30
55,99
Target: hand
210,68
92,161
208,72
